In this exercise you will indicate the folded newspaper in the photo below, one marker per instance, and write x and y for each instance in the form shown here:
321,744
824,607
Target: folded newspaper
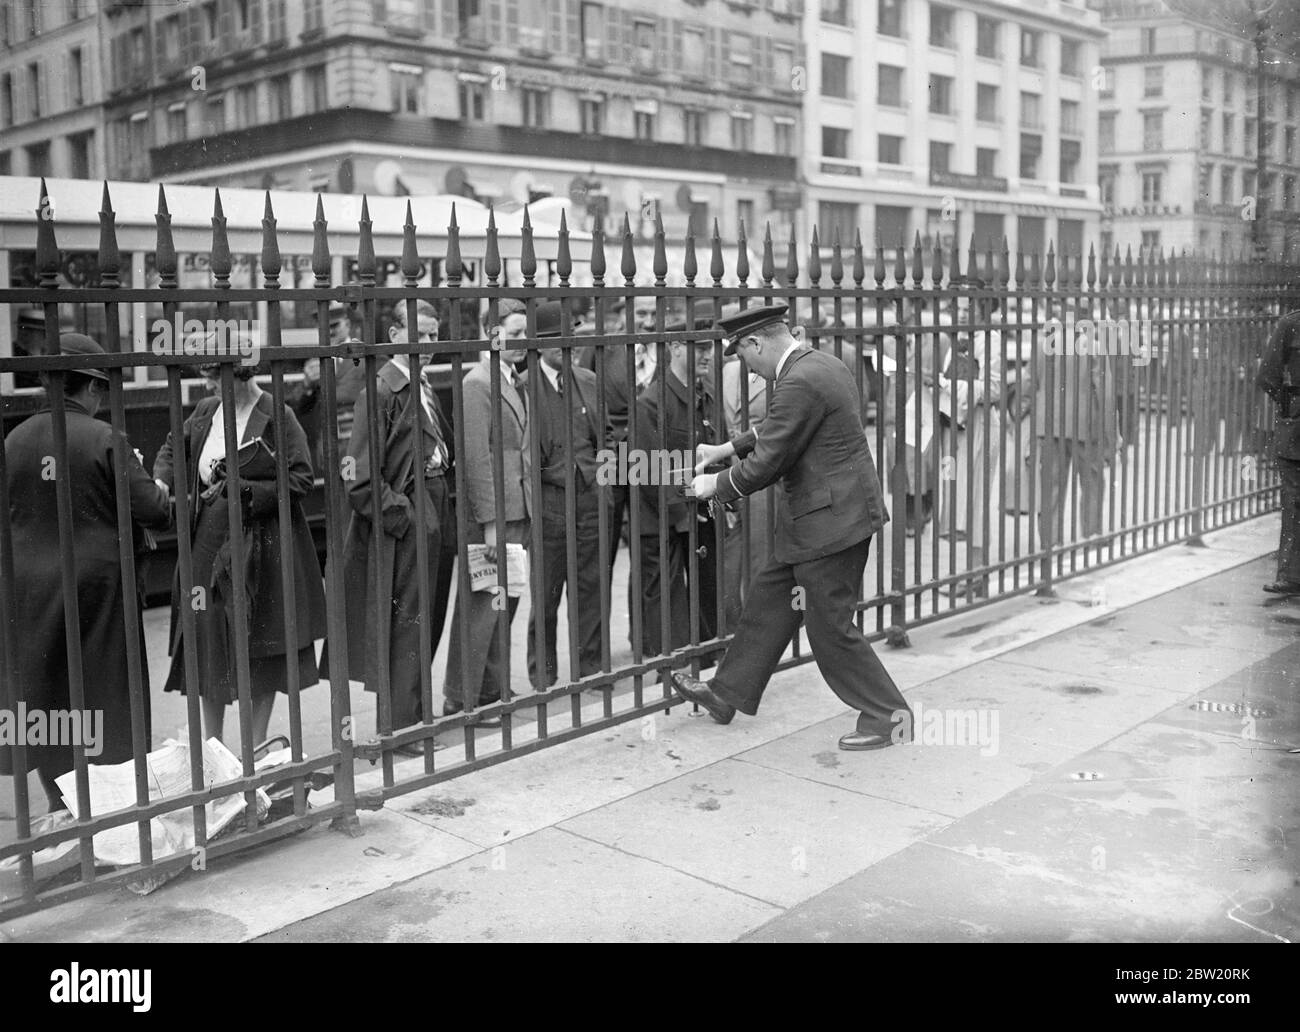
113,788
483,575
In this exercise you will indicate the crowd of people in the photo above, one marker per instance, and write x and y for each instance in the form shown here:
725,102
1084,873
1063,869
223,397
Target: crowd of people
984,417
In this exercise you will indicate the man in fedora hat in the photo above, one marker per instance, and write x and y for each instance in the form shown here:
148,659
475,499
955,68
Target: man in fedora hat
813,442
562,398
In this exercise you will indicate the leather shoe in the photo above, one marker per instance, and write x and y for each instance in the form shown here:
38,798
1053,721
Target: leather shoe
862,741
702,695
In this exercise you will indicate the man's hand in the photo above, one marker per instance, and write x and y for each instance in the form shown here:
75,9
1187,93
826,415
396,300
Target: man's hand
311,370
490,540
704,486
707,455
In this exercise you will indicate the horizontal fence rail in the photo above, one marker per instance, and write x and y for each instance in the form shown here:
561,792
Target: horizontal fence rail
1031,417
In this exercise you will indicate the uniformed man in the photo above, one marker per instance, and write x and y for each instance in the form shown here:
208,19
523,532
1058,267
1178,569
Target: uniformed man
830,505
1279,378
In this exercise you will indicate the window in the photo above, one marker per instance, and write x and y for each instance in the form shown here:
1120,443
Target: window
278,95
536,103
941,23
1204,181
139,130
892,225
1203,139
241,13
836,12
1031,151
1153,81
1292,102
1227,134
1031,110
1228,79
1070,117
38,159
315,89
1071,153
836,219
473,101
889,150
1149,41
6,158
1207,82
177,129
1107,82
987,34
1106,186
139,51
889,86
1248,136
1071,57
693,52
79,155
33,90
783,136
835,142
1150,238
1248,183
76,78
1031,48
644,125
1227,181
643,43
1288,146
742,126
1288,192
740,57
593,31
835,76
940,95
215,115
783,67
986,102
1152,183
940,156
986,161
1153,131
245,106
6,100
1106,133
469,15
593,115
889,17
406,85
693,127
744,215
312,15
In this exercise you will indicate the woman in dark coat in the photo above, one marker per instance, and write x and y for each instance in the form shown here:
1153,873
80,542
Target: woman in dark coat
41,659
206,462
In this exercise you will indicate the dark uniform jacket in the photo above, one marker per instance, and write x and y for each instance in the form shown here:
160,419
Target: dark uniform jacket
1279,378
813,442
670,430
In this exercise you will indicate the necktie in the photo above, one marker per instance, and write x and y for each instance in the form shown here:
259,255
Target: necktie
438,459
559,384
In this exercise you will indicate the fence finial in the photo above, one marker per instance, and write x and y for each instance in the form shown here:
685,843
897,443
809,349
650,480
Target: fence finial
366,265
598,252
900,264
837,258
954,263
453,264
527,257
859,264
1004,266
768,269
918,261
1049,270
690,267
219,261
717,268
792,260
814,259
660,263
563,260
271,261
320,246
164,248
936,263
110,259
742,254
628,265
410,253
492,256
1092,267
47,249
878,267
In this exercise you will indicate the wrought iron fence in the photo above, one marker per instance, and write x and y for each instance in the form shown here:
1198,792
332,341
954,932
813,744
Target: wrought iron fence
1031,416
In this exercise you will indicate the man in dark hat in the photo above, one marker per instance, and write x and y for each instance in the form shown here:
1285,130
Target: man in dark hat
559,397
304,397
675,412
813,442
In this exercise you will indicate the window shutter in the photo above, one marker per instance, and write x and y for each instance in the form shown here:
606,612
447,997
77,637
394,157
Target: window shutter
574,27
450,28
496,29
556,27
676,49
714,57
511,26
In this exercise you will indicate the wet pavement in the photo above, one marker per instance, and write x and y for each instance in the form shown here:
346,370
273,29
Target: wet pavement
1123,773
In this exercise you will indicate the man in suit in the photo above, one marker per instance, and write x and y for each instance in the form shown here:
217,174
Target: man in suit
575,396
1279,378
474,625
394,634
675,400
829,507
